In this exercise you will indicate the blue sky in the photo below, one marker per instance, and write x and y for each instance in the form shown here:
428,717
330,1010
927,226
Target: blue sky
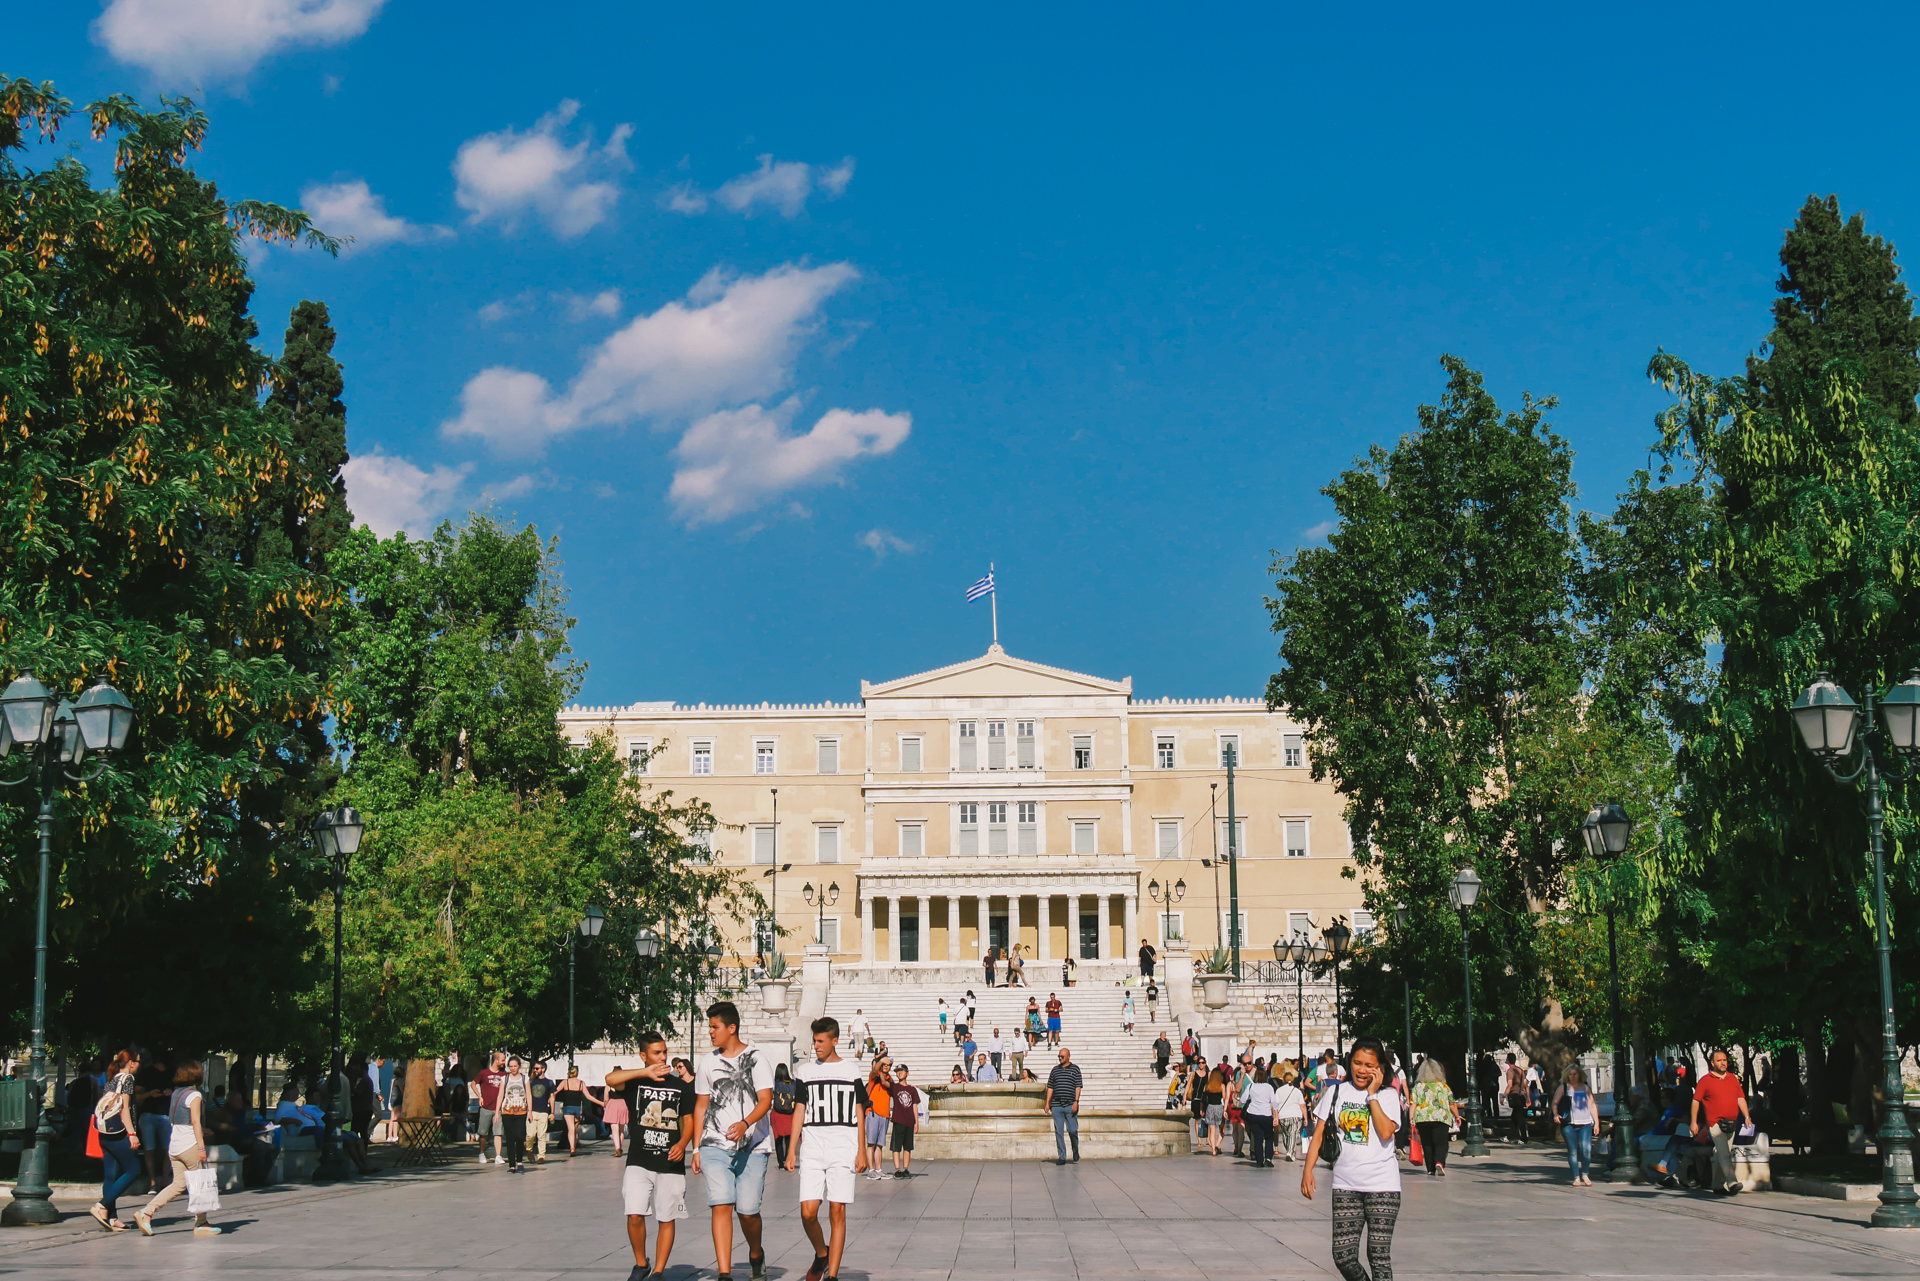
1101,295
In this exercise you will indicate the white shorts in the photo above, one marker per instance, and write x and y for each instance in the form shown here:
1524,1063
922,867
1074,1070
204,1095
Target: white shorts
826,1183
649,1193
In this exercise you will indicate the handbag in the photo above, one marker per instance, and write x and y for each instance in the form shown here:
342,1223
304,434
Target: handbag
93,1140
203,1190
1415,1150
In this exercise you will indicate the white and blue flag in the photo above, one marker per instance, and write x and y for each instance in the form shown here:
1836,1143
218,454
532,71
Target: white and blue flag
982,588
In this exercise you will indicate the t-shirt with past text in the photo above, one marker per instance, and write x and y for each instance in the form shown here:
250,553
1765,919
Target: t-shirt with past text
655,1109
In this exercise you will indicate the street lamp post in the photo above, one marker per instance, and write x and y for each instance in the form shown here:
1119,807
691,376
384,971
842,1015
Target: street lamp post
338,832
1338,936
592,921
1406,976
1830,726
771,939
1297,954
1607,830
824,895
647,944
1464,890
1170,895
54,735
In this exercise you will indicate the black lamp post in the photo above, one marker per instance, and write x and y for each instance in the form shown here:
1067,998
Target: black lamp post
1171,895
647,944
1464,890
825,895
1338,936
1607,830
1299,953
53,735
770,941
1406,976
338,832
592,921
1830,723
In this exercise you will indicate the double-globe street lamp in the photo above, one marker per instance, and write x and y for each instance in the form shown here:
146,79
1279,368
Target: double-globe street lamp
338,833
1830,724
1464,890
647,943
825,895
1170,895
54,736
1607,830
1298,954
1338,936
592,921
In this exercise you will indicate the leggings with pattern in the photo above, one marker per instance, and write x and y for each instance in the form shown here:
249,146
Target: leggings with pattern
1377,1211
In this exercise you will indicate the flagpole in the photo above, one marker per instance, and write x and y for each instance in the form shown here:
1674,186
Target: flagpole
995,594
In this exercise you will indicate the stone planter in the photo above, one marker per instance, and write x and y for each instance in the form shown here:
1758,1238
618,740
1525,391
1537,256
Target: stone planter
1213,990
773,995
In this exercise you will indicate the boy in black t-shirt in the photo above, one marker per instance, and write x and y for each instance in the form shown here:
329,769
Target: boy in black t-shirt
660,1108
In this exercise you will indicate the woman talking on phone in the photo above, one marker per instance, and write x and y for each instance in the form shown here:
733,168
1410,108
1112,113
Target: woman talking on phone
1358,1117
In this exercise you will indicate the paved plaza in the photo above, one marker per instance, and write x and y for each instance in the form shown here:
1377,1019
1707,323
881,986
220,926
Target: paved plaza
1188,1218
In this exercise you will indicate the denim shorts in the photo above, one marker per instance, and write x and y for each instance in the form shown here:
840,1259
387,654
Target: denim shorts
570,1109
155,1131
876,1129
734,1177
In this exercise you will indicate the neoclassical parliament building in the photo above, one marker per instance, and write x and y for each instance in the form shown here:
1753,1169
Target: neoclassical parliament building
1001,801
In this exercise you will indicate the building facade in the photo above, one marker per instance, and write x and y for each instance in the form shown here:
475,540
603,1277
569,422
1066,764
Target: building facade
1000,802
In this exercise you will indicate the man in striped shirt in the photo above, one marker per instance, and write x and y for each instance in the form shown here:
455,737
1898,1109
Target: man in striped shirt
1063,1100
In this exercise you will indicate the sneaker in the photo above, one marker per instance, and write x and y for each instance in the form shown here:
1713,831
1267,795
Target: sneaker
483,1158
640,1272
899,1174
757,1268
206,1230
819,1268
144,1222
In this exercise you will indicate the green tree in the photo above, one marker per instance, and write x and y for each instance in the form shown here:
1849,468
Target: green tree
133,445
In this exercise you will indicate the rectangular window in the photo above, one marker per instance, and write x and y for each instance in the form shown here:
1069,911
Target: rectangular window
1028,813
827,844
765,840
702,843
1083,751
1023,744
1300,923
1239,849
829,756
1163,752
1083,836
969,746
913,840
765,940
637,752
996,744
829,932
1293,751
997,828
703,758
1230,746
969,830
1296,838
1363,923
910,755
1226,929
1173,925
1168,834
763,756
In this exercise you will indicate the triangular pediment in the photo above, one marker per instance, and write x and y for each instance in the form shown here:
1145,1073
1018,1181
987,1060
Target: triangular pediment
995,673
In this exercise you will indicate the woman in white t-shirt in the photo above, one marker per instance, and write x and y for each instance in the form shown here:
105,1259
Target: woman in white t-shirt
1360,1114
1289,1111
1573,1103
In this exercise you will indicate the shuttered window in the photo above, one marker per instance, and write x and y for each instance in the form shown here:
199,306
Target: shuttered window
969,746
997,828
910,755
913,840
829,844
1168,831
1083,837
996,744
829,756
763,843
969,831
1023,744
1029,827
1296,838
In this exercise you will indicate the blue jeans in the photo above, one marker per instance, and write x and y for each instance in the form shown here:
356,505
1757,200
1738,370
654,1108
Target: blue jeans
155,1131
1580,1149
120,1167
1066,1125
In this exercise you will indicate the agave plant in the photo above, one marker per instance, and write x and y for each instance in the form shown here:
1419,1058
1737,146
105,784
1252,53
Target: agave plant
776,966
1219,961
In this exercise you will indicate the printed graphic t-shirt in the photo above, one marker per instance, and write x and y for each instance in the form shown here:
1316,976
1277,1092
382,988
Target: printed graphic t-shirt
1367,1162
906,1105
655,1109
487,1081
734,1085
831,1095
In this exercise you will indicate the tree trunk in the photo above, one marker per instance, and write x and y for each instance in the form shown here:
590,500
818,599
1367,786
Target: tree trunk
1824,1137
1863,1101
416,1098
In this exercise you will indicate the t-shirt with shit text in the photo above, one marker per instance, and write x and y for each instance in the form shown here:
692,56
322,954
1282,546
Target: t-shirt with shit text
831,1095
1368,1162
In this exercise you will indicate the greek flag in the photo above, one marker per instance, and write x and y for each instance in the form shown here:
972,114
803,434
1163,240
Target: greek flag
982,588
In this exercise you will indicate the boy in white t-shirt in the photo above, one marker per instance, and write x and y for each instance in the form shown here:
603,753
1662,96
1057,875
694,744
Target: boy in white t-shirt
1360,1114
826,1150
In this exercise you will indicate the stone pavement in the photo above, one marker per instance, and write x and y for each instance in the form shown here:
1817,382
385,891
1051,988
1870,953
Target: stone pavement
1180,1217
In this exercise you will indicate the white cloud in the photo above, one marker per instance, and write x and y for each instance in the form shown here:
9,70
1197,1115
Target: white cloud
882,541
783,185
735,460
503,177
391,493
351,210
181,39
1319,531
733,340
605,303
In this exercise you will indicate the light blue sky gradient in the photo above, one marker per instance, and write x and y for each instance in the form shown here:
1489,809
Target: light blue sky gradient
1144,279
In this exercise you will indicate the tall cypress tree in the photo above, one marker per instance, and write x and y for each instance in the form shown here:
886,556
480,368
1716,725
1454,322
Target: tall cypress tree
307,382
1841,298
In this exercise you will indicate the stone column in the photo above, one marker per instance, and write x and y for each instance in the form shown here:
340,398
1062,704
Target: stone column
1133,924
866,933
1102,945
1045,951
953,926
892,919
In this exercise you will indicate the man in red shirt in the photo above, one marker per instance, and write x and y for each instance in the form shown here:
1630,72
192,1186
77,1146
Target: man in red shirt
487,1080
1719,1107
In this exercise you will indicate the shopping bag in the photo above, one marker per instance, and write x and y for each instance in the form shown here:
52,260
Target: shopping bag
203,1190
93,1139
1415,1151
